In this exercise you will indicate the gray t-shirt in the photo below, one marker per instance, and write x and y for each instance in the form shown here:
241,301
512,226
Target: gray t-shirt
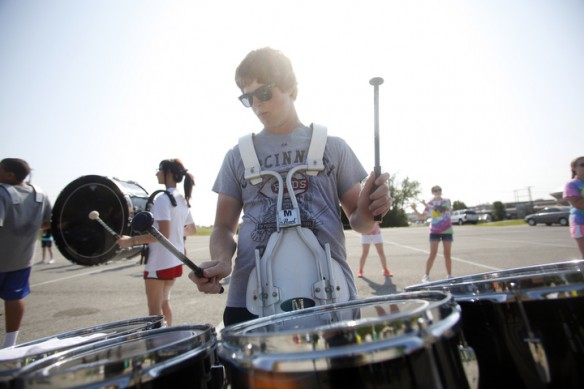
19,226
317,196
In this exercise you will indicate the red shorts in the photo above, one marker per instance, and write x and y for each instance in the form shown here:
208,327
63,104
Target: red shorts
165,274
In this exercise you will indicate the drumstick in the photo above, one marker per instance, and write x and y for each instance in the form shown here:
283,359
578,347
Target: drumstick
144,221
94,215
376,81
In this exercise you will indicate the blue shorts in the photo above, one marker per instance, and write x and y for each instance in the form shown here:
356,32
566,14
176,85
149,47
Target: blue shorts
14,284
441,237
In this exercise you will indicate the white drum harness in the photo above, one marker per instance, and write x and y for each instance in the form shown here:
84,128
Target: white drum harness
295,271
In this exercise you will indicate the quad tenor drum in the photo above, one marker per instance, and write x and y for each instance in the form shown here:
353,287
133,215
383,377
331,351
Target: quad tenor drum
181,356
14,359
409,340
525,324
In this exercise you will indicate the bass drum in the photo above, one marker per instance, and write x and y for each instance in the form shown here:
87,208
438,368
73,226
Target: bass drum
84,241
525,324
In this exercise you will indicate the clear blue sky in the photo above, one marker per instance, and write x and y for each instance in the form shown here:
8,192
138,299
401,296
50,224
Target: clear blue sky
485,98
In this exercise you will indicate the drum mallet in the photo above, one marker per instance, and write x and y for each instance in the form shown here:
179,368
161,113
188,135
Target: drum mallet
94,215
144,222
376,81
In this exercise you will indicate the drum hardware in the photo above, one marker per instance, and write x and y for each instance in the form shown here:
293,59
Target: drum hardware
144,222
319,276
534,343
294,269
94,215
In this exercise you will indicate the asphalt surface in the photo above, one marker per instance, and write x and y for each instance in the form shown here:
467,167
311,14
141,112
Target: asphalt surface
67,297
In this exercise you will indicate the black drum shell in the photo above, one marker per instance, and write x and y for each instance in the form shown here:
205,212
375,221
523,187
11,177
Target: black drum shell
501,310
382,347
84,241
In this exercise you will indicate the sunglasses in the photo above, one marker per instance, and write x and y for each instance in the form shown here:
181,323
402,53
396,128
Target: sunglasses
263,93
437,190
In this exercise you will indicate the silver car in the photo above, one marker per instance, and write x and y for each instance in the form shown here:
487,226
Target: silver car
550,215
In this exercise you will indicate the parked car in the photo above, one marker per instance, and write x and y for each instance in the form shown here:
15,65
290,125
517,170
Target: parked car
549,216
463,216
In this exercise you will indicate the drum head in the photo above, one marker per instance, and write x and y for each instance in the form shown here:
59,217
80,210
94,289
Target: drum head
85,241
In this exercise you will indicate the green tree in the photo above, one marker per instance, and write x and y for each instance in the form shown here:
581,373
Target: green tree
456,205
403,193
499,210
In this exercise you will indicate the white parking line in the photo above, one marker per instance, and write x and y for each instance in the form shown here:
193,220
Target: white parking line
110,267
453,258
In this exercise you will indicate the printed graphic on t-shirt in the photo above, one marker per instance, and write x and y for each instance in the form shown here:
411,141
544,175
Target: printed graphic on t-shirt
267,194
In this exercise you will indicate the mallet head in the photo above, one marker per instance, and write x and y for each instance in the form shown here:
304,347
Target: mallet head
143,221
94,215
376,81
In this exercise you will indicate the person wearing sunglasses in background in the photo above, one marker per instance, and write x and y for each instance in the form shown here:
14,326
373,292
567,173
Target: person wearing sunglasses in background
269,87
440,230
574,194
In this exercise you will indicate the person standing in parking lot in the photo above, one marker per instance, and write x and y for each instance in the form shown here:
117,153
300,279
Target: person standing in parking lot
373,238
24,210
440,230
574,194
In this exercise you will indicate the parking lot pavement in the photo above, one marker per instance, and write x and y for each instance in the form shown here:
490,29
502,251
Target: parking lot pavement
66,297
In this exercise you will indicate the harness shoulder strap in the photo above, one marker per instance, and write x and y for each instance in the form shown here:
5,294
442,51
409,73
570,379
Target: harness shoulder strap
316,150
16,197
314,159
38,193
150,201
12,192
250,159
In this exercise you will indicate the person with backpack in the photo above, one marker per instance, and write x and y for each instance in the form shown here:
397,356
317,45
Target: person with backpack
24,210
268,83
173,219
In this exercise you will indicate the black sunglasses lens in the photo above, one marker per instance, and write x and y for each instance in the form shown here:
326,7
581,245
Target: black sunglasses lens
264,93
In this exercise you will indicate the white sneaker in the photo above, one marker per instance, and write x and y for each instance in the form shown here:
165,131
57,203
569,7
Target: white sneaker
51,261
426,279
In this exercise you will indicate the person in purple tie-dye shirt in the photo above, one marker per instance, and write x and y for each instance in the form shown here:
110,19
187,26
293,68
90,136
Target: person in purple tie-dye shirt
440,230
574,194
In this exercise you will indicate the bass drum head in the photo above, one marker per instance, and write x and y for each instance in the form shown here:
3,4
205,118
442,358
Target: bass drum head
84,241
